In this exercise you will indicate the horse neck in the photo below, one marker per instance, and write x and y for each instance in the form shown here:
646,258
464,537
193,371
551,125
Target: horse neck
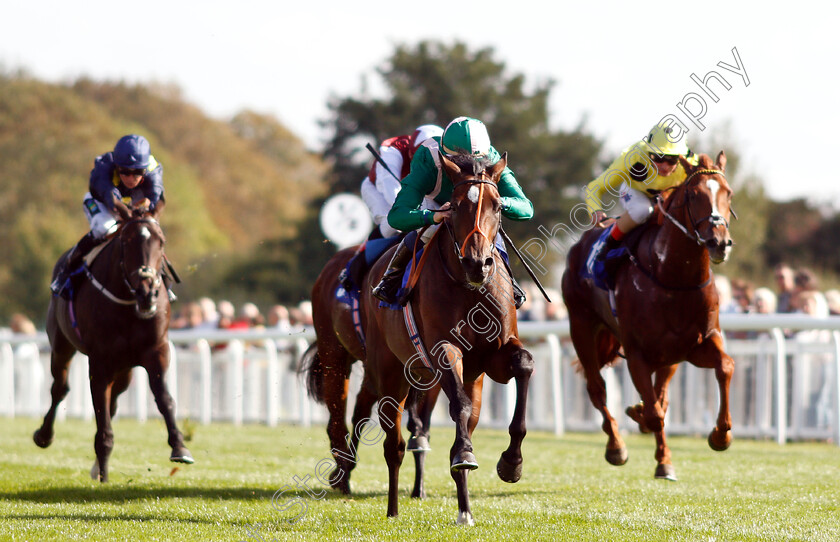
108,268
675,256
495,296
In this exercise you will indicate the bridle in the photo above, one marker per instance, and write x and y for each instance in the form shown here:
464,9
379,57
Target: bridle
144,271
460,250
715,218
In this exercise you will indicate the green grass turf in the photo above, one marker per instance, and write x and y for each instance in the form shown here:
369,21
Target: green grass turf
754,491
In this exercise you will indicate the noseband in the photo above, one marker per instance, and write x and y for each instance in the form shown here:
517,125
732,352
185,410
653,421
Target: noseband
716,219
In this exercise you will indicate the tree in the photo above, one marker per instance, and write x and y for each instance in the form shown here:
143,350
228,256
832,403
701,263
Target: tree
434,83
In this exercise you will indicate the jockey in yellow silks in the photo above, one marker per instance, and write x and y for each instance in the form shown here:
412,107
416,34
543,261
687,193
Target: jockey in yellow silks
650,164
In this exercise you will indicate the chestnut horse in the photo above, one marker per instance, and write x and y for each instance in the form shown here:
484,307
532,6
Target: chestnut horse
464,310
666,308
119,318
465,327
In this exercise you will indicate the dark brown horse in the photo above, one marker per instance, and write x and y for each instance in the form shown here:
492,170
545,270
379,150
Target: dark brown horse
666,308
119,318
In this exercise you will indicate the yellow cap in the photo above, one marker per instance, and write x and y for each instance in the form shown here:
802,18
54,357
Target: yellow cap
660,141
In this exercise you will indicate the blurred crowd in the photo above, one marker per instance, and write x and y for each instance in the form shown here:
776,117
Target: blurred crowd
209,314
795,291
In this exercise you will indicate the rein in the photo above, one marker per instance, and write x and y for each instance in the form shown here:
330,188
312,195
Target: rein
144,271
714,218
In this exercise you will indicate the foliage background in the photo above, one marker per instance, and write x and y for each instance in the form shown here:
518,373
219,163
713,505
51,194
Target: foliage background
244,193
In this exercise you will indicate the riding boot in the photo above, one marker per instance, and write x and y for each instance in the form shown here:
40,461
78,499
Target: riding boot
389,286
353,273
73,260
610,244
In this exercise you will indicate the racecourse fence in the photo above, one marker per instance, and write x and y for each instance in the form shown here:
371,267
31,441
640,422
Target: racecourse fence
787,367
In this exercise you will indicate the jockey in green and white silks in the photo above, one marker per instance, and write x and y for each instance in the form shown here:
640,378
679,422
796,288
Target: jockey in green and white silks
428,187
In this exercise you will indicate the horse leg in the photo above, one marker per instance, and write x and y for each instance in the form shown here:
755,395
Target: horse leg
461,454
711,355
361,415
60,358
103,443
419,423
166,406
664,468
121,382
394,446
654,415
594,348
519,365
662,377
336,386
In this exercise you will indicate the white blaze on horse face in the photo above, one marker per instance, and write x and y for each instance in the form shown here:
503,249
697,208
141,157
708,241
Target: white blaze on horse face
472,194
714,186
145,233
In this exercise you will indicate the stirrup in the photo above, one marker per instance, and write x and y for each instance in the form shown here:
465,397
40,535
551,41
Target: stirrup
56,285
344,280
172,297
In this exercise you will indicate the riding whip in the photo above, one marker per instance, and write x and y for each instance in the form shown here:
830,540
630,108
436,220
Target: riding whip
524,263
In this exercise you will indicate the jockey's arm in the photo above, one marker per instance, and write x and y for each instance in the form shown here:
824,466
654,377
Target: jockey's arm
405,214
607,182
515,205
153,184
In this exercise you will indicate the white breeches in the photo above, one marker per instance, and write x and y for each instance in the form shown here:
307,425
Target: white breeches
636,203
102,222
379,208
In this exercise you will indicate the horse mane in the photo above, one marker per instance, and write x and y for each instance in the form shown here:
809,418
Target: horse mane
467,162
704,161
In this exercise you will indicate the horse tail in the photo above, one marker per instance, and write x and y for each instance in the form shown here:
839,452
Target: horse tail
312,368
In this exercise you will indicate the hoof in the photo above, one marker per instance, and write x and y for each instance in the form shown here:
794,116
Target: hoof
616,457
717,446
665,471
464,461
508,472
94,470
465,518
418,444
182,455
41,440
340,480
636,413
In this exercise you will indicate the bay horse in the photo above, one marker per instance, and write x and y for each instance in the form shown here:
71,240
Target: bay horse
465,327
119,318
665,308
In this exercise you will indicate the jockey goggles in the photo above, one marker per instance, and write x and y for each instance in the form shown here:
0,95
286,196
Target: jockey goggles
131,171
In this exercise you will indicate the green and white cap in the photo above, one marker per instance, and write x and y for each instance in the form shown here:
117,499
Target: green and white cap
466,136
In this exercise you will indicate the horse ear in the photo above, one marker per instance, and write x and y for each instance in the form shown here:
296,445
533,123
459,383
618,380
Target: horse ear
721,161
122,209
450,167
498,167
